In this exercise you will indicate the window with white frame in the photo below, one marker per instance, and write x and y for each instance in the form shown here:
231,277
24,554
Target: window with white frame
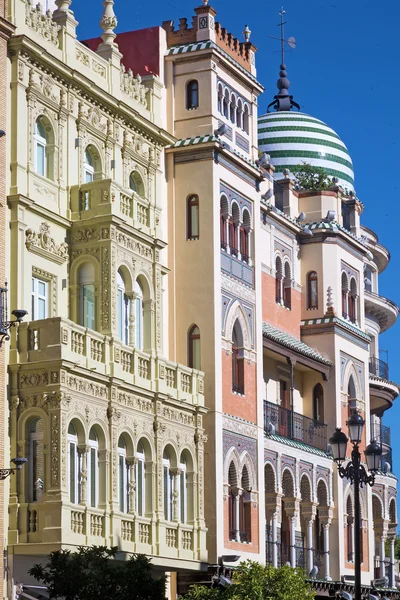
123,477
40,299
140,476
74,478
183,495
88,166
139,317
123,309
36,460
93,469
40,148
87,296
168,488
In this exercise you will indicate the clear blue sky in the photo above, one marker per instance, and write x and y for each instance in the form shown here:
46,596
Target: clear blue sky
344,71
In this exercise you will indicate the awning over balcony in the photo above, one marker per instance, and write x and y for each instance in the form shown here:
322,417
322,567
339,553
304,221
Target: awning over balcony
291,347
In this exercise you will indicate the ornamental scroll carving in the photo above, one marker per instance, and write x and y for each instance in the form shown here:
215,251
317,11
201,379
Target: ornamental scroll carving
43,24
44,245
132,85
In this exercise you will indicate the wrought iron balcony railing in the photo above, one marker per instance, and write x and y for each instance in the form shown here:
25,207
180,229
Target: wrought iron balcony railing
378,367
294,426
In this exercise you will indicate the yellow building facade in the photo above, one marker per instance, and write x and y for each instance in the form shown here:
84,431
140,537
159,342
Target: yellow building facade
197,326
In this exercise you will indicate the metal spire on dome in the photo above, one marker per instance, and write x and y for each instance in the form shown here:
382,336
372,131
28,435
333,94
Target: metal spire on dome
283,100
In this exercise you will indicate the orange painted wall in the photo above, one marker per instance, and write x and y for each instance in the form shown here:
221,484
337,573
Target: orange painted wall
245,406
279,316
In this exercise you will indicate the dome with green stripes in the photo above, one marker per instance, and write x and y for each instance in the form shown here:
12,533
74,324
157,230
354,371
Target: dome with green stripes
293,138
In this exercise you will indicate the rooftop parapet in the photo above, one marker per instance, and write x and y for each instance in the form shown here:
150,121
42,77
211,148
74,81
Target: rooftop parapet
204,27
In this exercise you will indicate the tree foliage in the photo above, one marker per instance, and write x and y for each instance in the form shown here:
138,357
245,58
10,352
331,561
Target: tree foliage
252,581
93,573
311,179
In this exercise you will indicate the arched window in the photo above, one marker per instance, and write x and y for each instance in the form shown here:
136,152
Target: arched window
87,309
40,150
345,294
192,94
224,214
352,299
239,114
233,522
74,466
245,508
36,460
234,222
278,280
123,477
168,487
136,184
193,218
350,529
318,403
226,104
183,490
233,109
93,469
139,316
123,309
88,166
194,348
246,119
352,396
287,287
312,290
244,237
220,96
237,360
140,476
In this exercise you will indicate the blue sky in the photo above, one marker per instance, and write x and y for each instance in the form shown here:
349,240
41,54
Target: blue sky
343,71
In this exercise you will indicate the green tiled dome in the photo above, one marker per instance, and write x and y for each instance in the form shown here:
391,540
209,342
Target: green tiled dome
291,138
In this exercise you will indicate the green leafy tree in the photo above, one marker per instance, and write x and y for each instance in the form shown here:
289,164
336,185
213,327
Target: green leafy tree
93,573
252,581
311,179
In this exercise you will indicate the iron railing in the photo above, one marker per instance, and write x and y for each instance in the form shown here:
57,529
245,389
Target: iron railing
378,367
283,555
294,426
381,433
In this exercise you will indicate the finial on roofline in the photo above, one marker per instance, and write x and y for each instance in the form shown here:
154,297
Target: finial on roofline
205,2
108,23
246,33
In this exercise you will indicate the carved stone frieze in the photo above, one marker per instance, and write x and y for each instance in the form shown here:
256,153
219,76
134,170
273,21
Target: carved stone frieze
178,416
131,401
241,291
84,235
34,379
44,245
41,22
239,426
84,386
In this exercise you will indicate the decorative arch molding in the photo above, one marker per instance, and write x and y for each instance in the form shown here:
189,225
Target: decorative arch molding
232,456
236,313
306,491
246,461
270,481
377,507
322,492
288,481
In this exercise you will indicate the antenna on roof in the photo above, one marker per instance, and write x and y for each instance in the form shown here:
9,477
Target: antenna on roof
283,101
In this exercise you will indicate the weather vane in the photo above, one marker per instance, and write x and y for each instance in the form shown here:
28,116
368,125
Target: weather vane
290,41
283,101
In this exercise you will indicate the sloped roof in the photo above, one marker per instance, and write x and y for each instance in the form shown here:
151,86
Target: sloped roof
289,341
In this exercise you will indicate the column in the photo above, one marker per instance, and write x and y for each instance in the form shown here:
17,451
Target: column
275,540
238,495
310,557
293,520
176,495
382,540
131,297
392,580
131,464
82,481
325,527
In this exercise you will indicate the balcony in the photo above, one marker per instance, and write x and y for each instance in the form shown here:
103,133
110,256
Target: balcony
378,367
85,526
381,433
294,426
61,339
383,309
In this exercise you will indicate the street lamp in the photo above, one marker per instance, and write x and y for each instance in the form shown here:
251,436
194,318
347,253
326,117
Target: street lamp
358,475
5,324
18,462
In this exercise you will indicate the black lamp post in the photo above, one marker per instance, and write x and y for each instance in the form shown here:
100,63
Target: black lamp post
5,324
18,462
358,476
